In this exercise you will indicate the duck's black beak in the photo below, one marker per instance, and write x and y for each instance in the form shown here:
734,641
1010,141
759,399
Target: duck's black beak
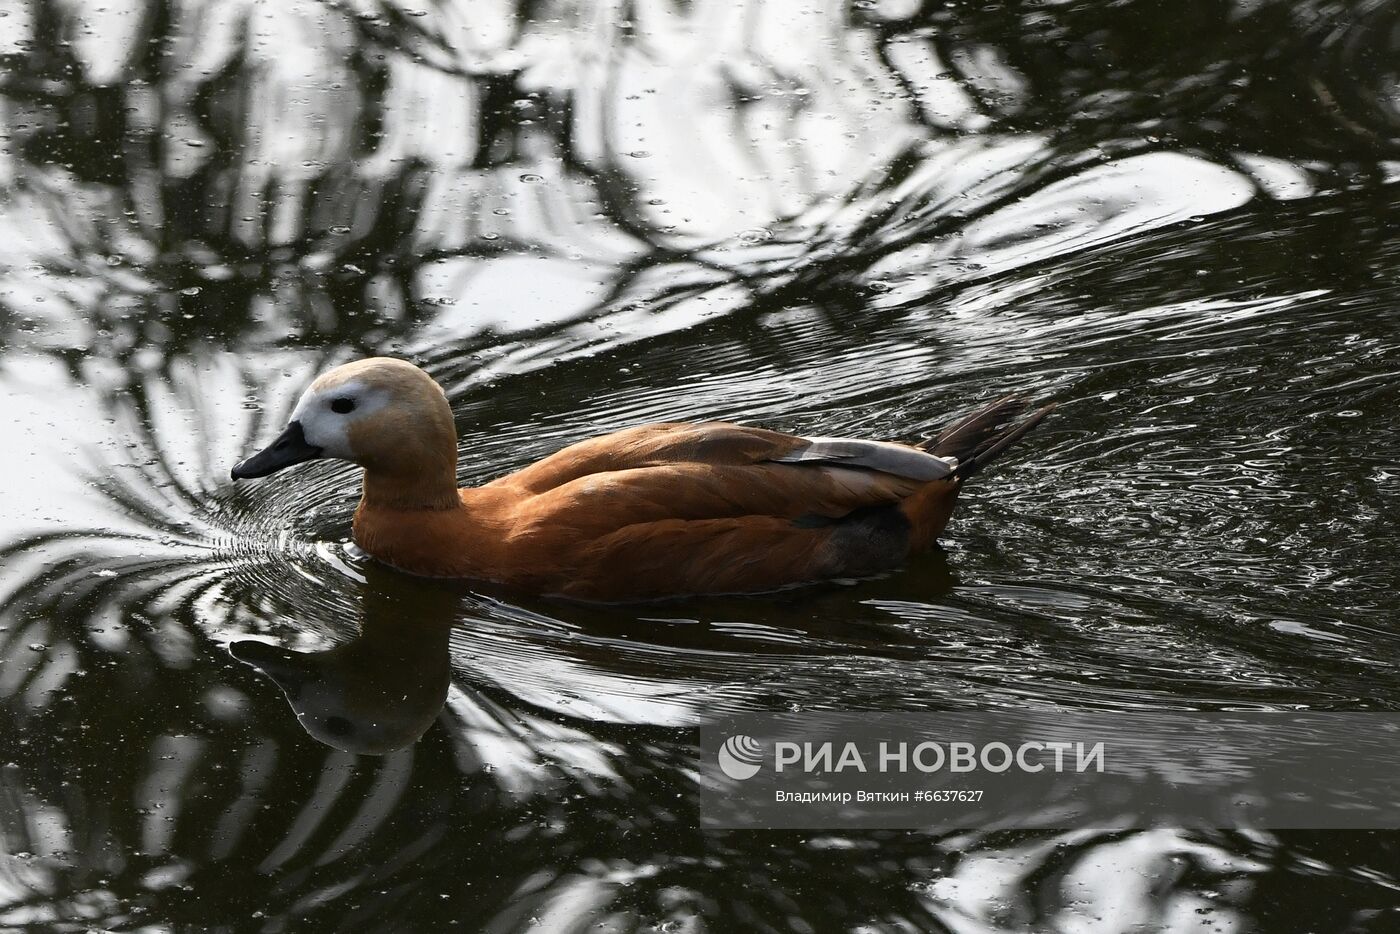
289,448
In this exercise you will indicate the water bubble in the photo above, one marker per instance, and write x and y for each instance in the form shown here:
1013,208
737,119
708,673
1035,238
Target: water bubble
755,235
531,178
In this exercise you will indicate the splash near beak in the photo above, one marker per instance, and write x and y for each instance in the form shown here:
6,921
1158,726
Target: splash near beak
289,448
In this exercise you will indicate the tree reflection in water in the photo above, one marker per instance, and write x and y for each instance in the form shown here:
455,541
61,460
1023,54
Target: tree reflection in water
582,215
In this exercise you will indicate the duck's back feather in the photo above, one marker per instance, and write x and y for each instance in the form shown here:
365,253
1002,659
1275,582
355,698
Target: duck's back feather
899,460
721,444
677,508
716,443
601,502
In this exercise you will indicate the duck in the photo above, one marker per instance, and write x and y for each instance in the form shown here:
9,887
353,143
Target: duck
382,688
652,512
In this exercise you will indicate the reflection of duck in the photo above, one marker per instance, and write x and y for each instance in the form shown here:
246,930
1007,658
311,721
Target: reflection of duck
381,690
655,511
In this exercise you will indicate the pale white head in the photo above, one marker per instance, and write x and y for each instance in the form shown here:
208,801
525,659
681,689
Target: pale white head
386,415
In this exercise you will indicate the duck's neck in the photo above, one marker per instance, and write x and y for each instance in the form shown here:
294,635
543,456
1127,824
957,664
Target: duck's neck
425,488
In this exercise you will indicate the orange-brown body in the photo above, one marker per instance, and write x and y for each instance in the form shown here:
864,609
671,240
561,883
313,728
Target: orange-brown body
661,510
656,511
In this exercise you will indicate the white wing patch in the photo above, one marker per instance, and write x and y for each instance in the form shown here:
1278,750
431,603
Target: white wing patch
884,456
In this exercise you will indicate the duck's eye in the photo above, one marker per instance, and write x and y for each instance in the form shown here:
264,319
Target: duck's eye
342,405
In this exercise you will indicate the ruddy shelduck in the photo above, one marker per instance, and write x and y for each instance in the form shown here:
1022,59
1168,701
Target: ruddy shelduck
656,511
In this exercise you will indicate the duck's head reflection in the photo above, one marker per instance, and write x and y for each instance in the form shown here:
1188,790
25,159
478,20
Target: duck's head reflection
381,690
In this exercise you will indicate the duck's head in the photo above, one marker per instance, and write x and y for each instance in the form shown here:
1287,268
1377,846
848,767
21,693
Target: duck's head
386,415
381,689
371,695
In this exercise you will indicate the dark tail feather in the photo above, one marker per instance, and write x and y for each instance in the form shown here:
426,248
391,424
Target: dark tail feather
977,439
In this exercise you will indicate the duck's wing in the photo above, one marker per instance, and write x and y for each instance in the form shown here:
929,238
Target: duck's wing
695,528
675,557
679,509
888,457
720,445
808,493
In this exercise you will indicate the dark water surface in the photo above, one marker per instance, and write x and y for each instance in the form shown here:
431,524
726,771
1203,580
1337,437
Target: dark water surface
1178,220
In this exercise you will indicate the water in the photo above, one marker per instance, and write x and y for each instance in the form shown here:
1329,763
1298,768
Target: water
1178,222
